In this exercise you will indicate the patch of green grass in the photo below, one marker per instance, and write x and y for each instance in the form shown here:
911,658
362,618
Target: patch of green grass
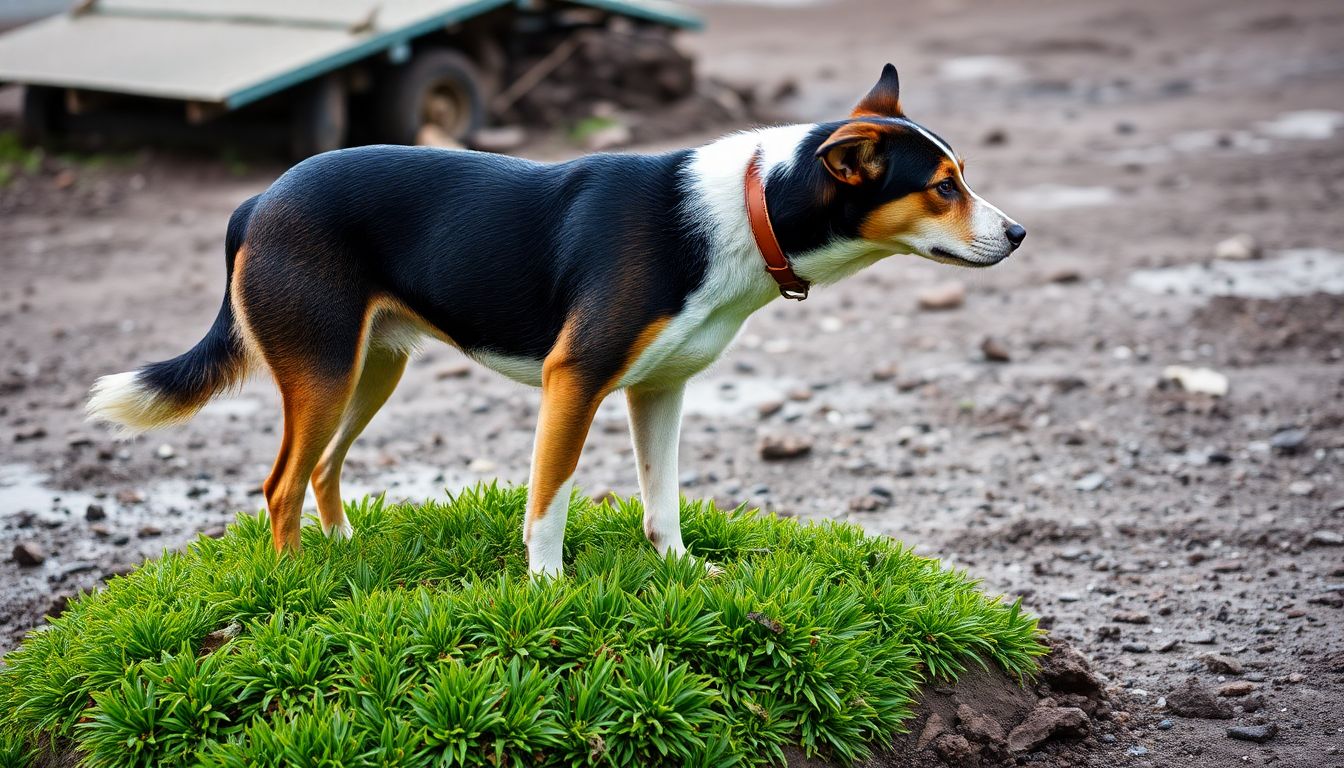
423,642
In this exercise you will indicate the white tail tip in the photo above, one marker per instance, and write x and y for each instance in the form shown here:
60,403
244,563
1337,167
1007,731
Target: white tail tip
124,401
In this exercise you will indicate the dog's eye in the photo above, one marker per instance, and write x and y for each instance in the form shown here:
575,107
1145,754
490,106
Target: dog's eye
947,188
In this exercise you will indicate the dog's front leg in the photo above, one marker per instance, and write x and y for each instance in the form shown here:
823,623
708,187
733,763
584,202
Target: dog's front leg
568,402
655,427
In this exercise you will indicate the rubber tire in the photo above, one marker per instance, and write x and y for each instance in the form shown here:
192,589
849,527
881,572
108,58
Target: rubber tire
319,119
402,92
44,115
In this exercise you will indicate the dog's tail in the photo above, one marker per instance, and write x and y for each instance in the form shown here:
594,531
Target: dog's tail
172,391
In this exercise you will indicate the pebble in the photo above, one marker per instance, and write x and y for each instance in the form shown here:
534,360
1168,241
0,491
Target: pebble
1242,247
1220,664
783,447
1200,381
165,451
1192,699
94,513
482,466
994,351
1166,725
1202,638
29,554
1288,440
1131,617
1236,688
149,531
1301,488
1256,733
1325,539
1135,647
1090,482
943,296
1138,750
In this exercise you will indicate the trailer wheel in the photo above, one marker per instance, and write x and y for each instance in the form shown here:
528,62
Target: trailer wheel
43,115
318,119
439,92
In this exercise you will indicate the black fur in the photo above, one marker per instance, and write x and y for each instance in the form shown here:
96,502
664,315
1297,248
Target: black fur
809,208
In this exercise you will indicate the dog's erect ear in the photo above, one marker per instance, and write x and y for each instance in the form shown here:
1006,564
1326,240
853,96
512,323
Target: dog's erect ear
851,153
884,100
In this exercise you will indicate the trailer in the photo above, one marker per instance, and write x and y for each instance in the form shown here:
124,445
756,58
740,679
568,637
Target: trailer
338,71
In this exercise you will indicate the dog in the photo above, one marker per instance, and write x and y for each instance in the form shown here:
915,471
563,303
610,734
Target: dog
609,272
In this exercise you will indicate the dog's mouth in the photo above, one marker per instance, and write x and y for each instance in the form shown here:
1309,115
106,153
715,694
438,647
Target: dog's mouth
948,257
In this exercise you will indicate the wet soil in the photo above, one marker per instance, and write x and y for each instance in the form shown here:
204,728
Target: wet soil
1148,526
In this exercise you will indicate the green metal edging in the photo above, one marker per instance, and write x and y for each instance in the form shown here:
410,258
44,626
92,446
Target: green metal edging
373,45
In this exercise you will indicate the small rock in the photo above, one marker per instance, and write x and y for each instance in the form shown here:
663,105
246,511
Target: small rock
1301,488
944,296
29,554
1204,637
1192,699
1131,617
780,448
769,408
1134,647
1138,750
165,451
29,433
503,138
94,513
458,371
1325,539
1199,381
100,530
1045,723
481,466
994,351
1256,733
954,749
979,727
933,728
1064,275
215,640
1242,247
1236,688
149,531
1090,482
130,496
1219,664
1165,724
867,503
1288,440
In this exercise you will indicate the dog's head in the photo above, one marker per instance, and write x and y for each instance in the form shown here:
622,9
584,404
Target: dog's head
907,188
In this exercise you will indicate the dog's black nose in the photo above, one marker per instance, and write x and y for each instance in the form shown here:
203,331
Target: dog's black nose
1016,234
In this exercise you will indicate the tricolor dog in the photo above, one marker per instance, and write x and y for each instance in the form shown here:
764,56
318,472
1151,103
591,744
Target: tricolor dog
610,272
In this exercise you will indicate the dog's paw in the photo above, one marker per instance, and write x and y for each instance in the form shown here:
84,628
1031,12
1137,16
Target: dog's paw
342,531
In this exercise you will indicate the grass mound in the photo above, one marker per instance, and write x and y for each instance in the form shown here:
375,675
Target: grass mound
422,642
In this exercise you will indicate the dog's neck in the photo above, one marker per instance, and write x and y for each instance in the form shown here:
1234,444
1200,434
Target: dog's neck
799,209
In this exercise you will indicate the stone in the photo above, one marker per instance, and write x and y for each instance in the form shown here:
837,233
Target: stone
1220,664
1256,733
1090,482
95,512
994,351
29,554
1131,617
1166,724
1242,247
149,531
1134,647
784,447
954,749
481,466
934,727
1236,688
1192,699
1198,381
1325,539
503,138
944,296
1301,488
165,451
1202,637
978,727
1289,440
1045,723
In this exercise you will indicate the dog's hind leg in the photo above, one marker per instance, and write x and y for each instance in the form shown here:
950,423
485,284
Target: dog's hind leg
655,428
379,376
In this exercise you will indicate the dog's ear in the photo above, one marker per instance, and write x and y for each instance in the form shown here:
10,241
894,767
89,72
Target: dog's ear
884,100
851,153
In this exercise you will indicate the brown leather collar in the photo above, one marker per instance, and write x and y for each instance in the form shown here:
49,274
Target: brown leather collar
791,286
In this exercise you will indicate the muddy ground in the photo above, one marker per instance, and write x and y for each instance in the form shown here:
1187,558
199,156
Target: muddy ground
1168,535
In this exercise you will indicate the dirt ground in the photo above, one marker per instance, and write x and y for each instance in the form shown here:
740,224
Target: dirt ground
1167,535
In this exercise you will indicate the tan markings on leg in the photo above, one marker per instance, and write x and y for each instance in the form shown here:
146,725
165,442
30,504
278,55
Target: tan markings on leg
313,410
381,372
568,403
